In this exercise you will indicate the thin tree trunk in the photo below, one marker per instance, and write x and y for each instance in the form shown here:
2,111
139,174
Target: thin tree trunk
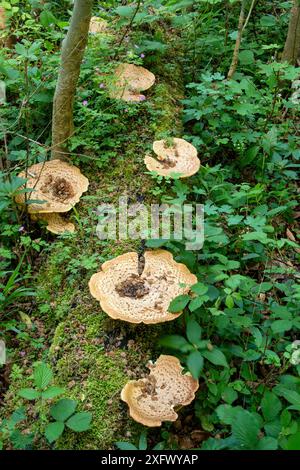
235,56
291,50
71,57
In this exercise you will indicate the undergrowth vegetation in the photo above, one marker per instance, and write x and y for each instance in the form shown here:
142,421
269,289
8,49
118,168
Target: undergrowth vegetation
239,333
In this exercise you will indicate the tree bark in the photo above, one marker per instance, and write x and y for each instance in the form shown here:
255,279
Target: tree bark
235,56
72,52
291,50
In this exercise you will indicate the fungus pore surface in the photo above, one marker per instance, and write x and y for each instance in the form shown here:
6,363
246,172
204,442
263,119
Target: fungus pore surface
152,400
125,294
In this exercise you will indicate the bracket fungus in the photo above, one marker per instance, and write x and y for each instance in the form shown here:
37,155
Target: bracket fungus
55,223
56,184
152,400
98,25
180,157
130,80
126,293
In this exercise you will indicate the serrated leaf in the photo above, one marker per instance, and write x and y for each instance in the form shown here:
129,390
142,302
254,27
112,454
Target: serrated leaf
63,409
29,393
195,363
42,375
54,430
80,421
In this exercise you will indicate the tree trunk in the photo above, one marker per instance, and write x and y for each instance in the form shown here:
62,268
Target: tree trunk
291,50
71,57
235,56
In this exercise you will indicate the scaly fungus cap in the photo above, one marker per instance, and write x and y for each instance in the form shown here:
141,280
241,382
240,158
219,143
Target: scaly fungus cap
55,222
55,182
130,81
180,157
152,400
124,294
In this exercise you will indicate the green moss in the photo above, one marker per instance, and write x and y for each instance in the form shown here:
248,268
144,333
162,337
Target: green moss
91,355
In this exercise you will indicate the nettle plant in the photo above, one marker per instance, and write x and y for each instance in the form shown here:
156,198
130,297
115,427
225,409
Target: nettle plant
53,418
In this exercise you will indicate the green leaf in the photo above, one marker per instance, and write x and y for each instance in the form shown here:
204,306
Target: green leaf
80,421
174,342
216,357
54,430
280,326
195,363
42,375
197,302
124,11
246,57
245,430
179,303
267,443
229,395
52,392
63,409
193,331
125,446
143,441
18,415
293,442
29,393
199,288
47,18
291,396
227,413
270,406
268,20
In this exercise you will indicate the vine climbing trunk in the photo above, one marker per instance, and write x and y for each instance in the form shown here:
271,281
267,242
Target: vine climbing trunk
291,52
72,52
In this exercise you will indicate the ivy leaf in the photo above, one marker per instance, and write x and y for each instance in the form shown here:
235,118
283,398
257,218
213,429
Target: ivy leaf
195,363
42,375
54,430
179,303
80,421
216,357
63,409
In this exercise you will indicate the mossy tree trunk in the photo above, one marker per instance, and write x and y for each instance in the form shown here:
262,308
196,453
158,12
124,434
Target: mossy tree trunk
291,52
71,57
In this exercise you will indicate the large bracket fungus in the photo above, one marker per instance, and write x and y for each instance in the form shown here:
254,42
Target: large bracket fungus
125,294
177,158
130,80
56,187
152,400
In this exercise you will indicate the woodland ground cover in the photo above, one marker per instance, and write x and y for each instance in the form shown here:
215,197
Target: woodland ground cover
67,361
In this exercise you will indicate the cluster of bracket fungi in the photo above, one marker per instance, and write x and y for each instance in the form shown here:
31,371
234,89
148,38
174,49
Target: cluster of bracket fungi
125,290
